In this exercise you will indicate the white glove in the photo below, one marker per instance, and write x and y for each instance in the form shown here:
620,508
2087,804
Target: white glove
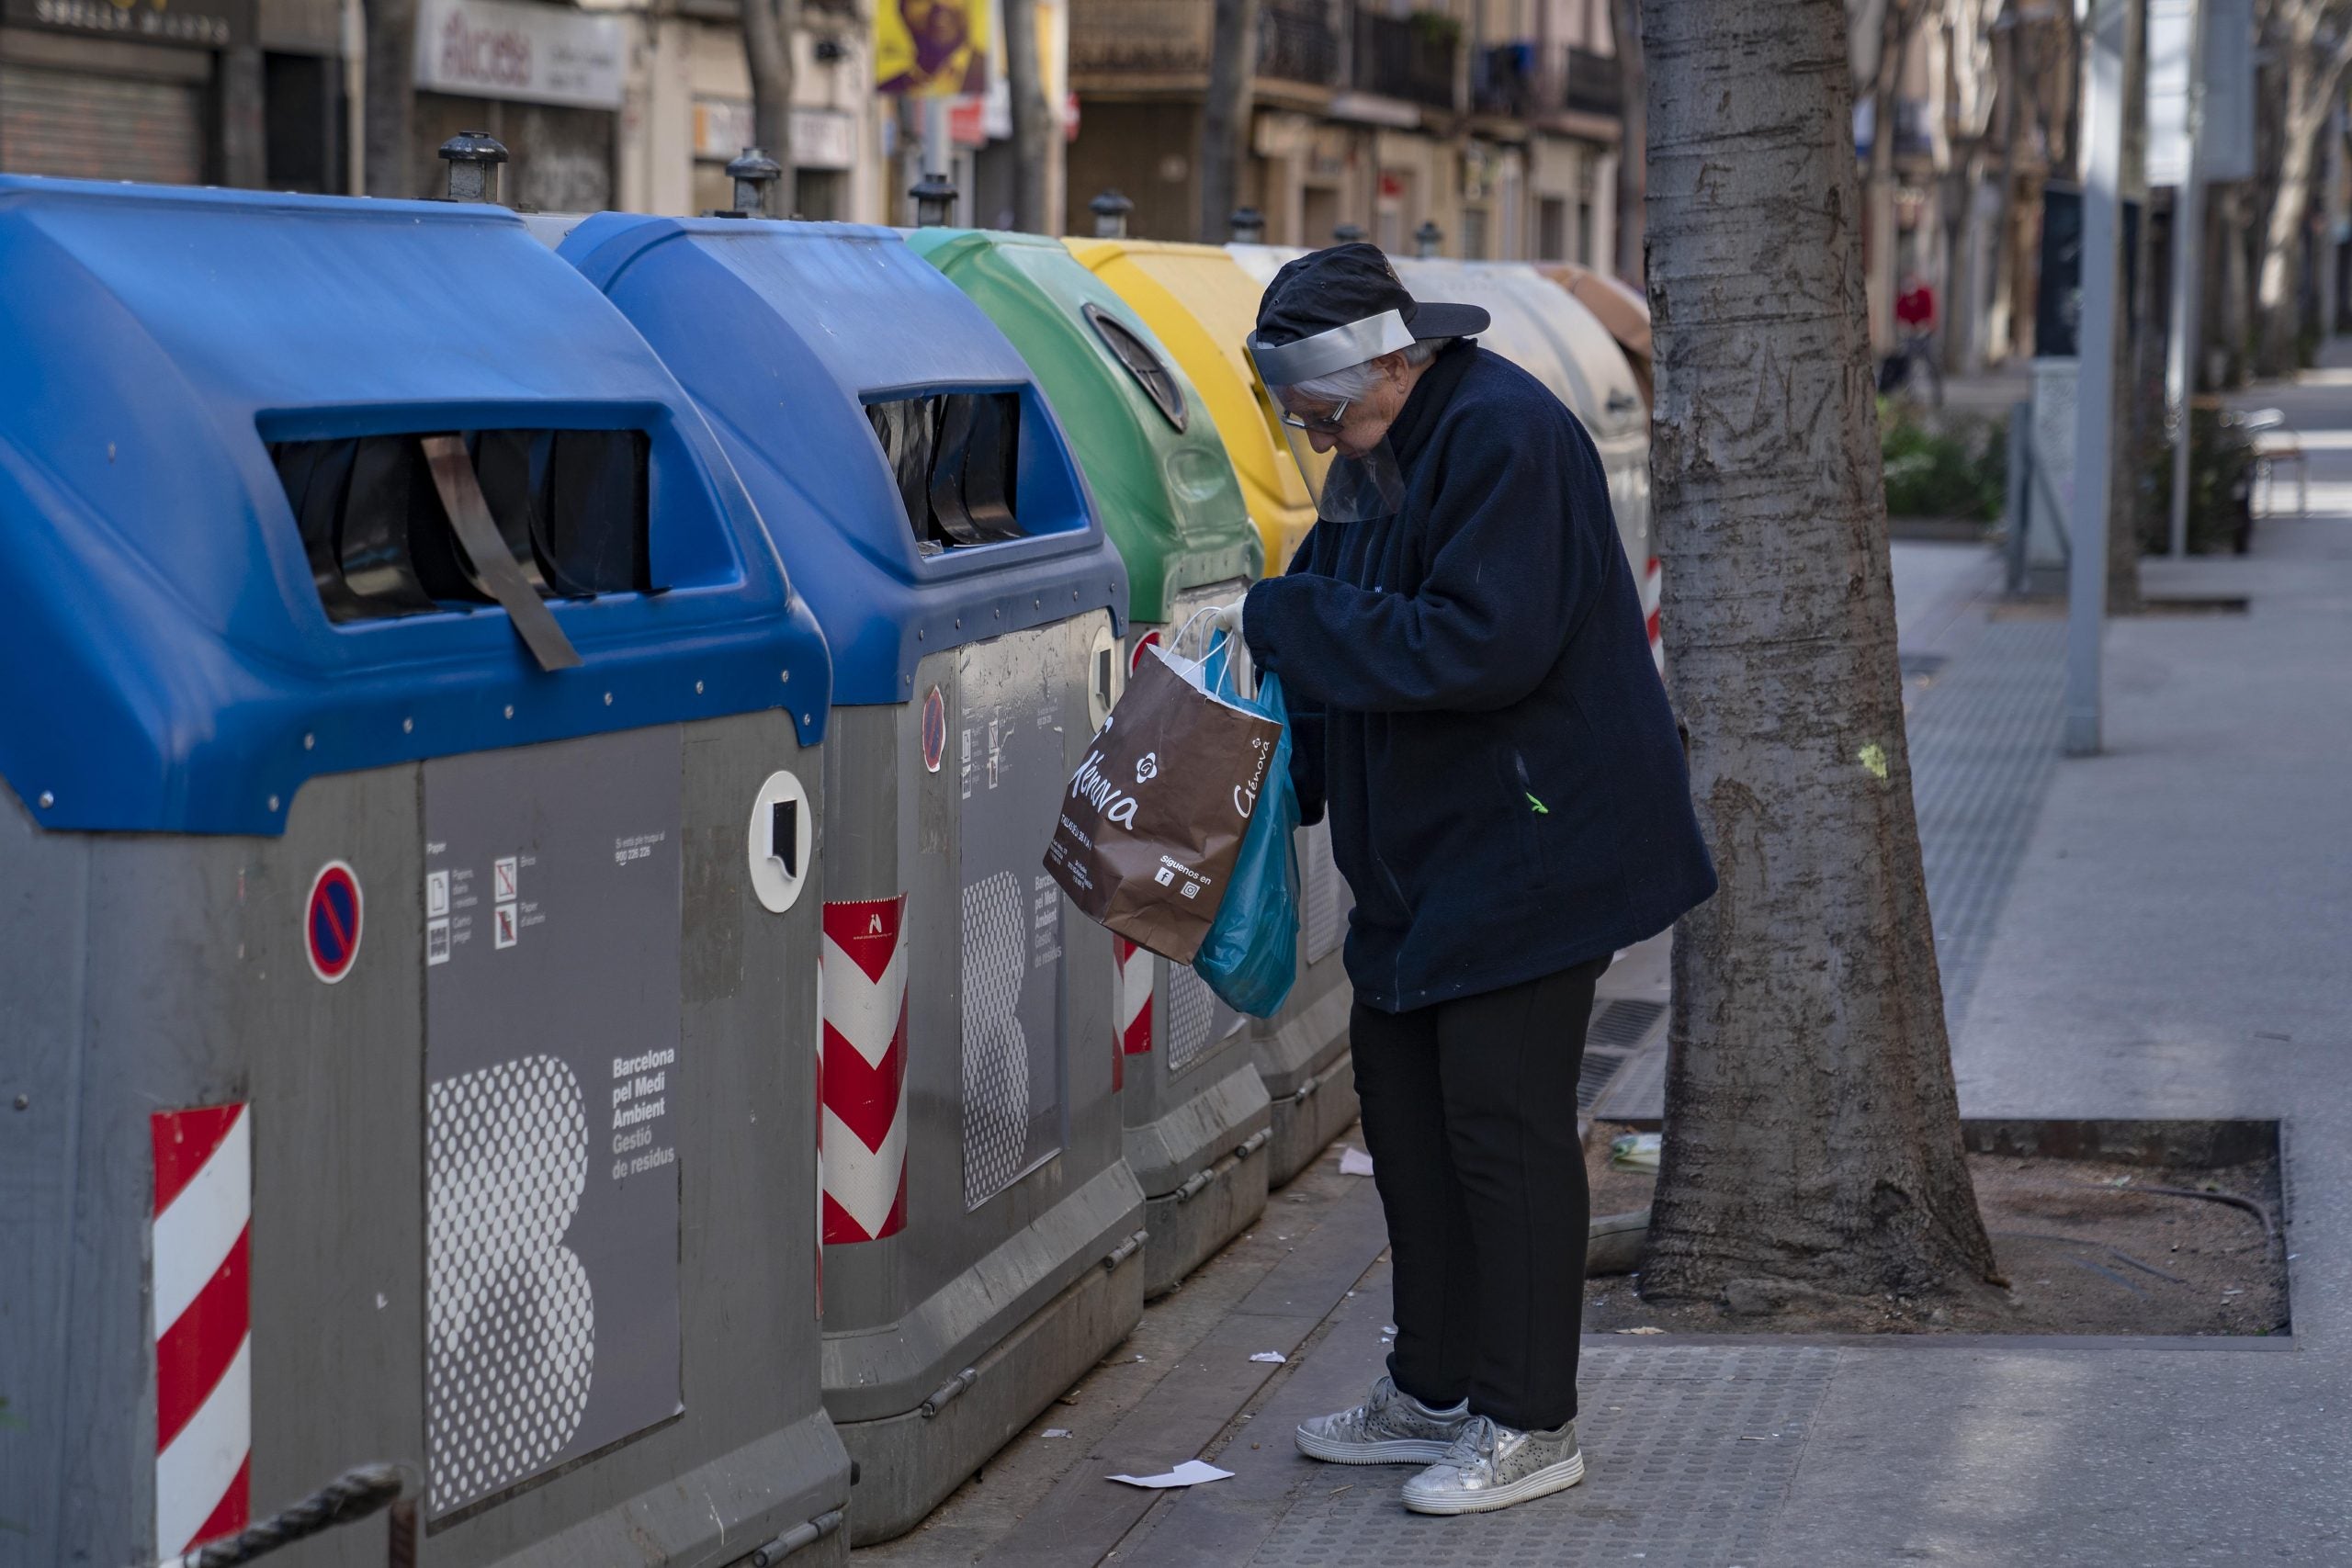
1227,618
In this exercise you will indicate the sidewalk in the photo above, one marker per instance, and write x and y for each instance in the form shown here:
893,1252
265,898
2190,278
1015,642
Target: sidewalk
2163,931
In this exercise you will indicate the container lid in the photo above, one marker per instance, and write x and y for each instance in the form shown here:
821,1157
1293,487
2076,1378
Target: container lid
1159,475
905,461
1202,305
229,557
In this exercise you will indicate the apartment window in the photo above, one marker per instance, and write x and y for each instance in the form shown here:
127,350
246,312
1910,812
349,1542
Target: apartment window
1551,229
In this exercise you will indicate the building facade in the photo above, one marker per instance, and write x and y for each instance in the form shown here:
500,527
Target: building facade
635,104
186,92
1494,121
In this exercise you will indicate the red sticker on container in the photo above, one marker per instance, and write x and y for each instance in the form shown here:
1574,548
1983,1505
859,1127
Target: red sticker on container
331,923
934,730
1135,660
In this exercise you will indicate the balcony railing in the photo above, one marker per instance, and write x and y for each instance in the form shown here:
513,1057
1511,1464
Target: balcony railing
1158,37
1408,57
1504,81
1589,84
1295,40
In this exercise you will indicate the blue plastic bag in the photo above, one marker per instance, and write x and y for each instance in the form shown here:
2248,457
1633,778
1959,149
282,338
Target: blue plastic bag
1250,956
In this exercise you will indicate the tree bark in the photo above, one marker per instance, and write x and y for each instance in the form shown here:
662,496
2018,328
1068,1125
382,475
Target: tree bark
2312,82
1032,125
1812,1129
769,29
2135,279
1625,24
2233,321
392,97
1225,114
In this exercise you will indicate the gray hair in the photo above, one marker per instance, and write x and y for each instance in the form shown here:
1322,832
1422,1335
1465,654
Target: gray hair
1353,383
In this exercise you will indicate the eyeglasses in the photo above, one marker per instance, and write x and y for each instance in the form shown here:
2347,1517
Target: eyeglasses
1326,421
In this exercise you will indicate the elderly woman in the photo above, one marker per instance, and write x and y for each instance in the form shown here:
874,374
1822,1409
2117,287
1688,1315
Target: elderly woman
1469,677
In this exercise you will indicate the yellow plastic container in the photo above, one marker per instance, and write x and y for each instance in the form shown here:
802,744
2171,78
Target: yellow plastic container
1200,304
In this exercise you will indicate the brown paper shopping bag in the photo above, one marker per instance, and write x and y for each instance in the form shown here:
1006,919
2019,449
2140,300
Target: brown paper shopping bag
1154,818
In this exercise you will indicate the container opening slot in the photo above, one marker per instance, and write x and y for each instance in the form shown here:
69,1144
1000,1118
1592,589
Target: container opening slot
1143,363
571,506
956,458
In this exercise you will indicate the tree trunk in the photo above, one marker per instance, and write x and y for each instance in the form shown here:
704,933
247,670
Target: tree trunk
1033,124
2233,321
769,27
392,97
2275,293
1812,1126
1625,24
2135,285
1225,114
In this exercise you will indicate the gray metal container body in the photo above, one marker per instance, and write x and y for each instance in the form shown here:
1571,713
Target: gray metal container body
211,1000
1302,1052
1197,1116
1014,1288
1298,1055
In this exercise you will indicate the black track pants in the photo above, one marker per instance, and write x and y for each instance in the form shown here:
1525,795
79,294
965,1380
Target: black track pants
1470,1112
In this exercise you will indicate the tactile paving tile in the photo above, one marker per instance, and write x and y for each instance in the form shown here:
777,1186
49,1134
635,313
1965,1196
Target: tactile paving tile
1984,739
1689,1451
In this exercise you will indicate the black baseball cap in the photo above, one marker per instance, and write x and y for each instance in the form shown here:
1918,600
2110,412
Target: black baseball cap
1334,308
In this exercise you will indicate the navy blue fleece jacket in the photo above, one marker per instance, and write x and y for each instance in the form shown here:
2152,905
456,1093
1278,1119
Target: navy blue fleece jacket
1471,687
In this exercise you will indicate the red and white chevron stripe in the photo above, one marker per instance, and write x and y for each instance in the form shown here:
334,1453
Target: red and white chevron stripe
202,1236
1652,590
865,1070
1135,997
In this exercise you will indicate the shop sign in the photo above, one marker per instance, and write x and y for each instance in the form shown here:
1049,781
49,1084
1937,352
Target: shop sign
205,24
822,139
520,53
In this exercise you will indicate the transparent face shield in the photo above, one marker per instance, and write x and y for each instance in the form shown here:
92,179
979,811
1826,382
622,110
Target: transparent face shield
1352,481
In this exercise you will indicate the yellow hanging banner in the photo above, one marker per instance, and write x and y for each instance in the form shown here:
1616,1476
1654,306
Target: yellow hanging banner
930,48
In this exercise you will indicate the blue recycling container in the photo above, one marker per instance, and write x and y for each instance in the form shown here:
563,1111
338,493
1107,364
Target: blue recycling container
917,483
412,744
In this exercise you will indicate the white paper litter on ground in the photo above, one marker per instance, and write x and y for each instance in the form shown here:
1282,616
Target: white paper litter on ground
1192,1473
1056,1432
1354,1162
1272,1358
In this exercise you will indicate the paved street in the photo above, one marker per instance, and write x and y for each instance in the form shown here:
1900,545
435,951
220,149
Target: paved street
2159,931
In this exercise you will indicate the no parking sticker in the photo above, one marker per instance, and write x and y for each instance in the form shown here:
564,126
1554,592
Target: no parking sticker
331,923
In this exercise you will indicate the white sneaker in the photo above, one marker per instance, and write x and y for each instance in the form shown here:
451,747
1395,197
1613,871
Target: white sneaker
1391,1427
1490,1467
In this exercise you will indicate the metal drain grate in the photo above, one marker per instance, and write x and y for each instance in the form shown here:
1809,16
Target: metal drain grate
1613,1039
1691,1453
1623,1024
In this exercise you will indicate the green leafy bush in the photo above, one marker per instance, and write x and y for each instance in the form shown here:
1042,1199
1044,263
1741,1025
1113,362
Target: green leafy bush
1959,469
2221,465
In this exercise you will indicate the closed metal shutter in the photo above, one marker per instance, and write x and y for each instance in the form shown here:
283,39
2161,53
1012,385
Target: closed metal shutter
99,127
